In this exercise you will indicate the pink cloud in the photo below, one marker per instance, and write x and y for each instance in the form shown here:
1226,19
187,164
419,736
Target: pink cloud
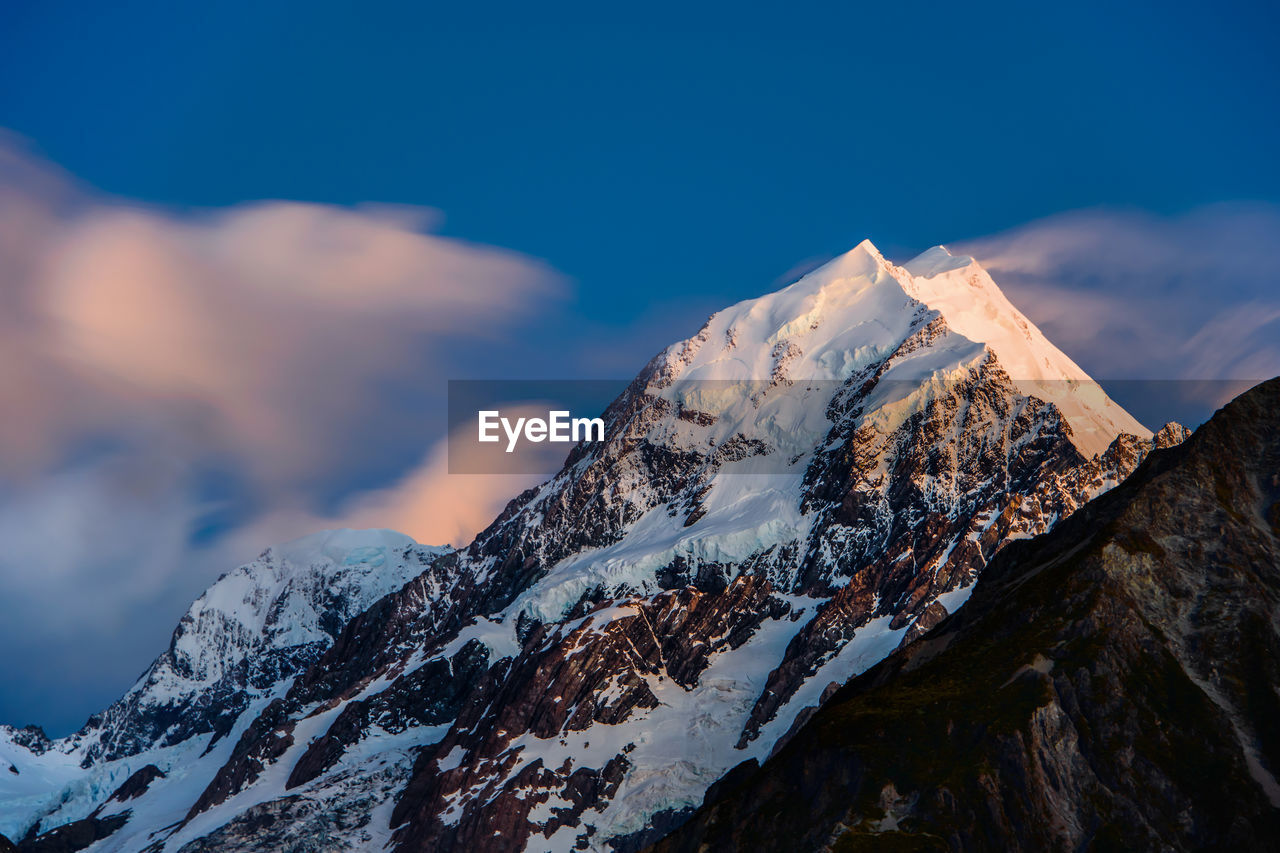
271,325
279,345
429,503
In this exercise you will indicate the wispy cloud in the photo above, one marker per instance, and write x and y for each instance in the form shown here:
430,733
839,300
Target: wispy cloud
1132,295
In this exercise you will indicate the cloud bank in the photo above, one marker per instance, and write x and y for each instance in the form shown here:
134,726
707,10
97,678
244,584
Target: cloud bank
181,388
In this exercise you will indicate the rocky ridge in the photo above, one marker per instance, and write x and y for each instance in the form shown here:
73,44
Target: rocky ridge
1111,684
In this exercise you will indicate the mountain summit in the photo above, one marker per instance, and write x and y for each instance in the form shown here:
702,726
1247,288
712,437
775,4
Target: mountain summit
961,291
845,314
813,479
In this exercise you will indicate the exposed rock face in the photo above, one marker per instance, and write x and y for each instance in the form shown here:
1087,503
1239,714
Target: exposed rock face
254,629
268,737
599,672
31,738
291,823
781,500
919,512
71,837
1114,683
137,784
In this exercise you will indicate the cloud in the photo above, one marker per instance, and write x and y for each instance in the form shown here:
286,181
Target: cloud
66,537
433,505
268,331
430,502
180,385
1131,295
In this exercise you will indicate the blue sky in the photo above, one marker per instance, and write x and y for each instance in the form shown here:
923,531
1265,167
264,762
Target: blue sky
549,191
649,151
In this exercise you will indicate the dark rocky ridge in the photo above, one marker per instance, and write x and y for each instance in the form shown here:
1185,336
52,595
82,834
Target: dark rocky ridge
70,837
137,784
1112,684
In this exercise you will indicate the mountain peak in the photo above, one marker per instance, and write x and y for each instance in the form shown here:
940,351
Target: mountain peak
973,305
339,547
936,261
863,259
868,248
856,308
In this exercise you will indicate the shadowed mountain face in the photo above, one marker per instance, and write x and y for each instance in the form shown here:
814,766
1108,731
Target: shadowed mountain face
1112,684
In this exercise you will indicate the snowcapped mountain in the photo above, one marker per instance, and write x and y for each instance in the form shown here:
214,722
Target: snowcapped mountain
814,478
238,645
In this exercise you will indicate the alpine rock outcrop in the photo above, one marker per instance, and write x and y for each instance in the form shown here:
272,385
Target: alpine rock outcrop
813,479
1113,684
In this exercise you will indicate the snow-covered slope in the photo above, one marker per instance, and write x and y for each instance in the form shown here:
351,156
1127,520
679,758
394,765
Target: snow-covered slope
961,291
238,646
813,478
856,308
